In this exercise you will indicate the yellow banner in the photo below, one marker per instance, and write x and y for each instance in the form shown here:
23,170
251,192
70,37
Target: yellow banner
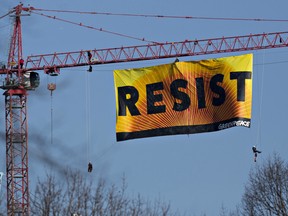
184,97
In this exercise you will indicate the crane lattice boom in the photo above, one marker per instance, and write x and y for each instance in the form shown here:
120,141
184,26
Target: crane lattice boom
157,51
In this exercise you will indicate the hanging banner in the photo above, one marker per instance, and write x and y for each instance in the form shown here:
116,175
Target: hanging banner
183,97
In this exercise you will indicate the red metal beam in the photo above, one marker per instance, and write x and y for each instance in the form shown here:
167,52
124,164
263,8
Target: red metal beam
156,51
16,128
17,152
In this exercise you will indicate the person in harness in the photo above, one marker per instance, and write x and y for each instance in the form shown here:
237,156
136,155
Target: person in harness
256,152
21,62
90,167
89,54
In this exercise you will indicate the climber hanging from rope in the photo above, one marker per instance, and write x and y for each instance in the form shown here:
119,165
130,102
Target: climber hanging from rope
90,167
89,54
256,152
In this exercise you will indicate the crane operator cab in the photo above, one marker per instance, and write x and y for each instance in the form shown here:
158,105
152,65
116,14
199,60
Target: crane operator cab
30,80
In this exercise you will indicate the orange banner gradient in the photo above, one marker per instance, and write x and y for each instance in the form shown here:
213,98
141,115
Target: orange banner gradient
183,97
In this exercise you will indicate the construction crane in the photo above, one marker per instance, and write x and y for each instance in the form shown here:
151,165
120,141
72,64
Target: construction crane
20,78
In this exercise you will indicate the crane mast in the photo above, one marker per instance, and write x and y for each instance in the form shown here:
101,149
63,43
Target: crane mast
16,126
20,78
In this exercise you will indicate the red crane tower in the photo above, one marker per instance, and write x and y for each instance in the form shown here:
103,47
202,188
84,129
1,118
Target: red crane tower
21,78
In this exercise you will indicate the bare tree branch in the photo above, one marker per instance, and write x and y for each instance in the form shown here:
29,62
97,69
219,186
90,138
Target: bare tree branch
77,196
267,190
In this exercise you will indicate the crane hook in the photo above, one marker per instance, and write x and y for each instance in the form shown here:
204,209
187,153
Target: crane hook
51,87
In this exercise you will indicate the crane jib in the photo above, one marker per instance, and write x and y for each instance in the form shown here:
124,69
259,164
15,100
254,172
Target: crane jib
159,51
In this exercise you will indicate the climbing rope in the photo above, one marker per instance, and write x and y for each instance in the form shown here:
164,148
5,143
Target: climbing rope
51,87
88,120
260,90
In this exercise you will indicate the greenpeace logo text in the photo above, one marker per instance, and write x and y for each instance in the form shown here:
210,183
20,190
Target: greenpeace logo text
233,124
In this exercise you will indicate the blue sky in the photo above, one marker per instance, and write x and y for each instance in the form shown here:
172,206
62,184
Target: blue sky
197,173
